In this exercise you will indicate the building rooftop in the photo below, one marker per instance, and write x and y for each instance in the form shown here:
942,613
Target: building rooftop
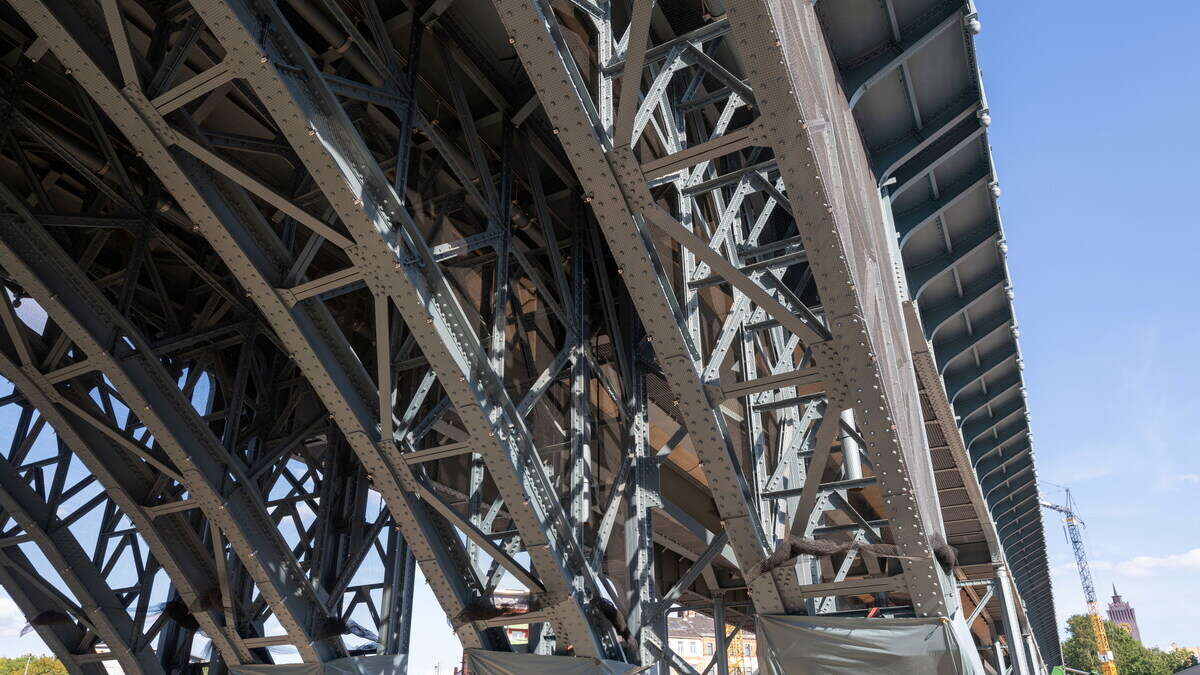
694,625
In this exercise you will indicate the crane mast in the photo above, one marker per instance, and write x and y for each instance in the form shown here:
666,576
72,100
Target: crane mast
1108,665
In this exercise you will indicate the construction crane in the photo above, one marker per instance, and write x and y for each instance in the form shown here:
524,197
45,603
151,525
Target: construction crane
1108,666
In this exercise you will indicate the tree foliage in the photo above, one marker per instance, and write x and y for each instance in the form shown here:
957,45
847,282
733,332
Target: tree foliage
38,665
1079,651
1184,659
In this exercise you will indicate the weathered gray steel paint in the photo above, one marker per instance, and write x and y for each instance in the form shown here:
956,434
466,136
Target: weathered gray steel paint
387,262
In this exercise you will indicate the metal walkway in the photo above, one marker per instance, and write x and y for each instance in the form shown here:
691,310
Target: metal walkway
590,311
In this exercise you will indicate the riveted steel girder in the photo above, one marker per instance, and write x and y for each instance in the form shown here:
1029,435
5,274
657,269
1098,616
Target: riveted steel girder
62,638
398,265
223,213
99,605
598,141
380,262
129,483
118,350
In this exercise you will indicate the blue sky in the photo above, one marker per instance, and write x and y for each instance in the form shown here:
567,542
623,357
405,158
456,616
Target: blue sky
1093,108
1094,132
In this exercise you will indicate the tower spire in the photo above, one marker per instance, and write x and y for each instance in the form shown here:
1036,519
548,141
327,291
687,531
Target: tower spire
1115,594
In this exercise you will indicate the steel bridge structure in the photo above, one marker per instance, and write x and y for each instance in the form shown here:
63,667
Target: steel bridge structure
581,308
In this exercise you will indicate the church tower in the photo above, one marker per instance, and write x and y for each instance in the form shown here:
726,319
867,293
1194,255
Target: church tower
1123,614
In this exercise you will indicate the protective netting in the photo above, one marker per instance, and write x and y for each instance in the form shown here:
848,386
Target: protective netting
481,662
380,664
811,645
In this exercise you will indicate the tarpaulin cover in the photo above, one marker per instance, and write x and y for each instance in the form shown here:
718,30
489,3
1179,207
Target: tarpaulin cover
380,664
481,662
808,645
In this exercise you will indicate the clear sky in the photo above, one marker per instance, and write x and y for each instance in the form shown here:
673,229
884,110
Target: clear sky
1094,109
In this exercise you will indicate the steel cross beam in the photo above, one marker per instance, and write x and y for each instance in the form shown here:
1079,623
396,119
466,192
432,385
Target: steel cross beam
116,347
130,484
639,549
397,265
699,172
100,608
565,101
861,364
786,67
895,55
929,381
62,639
238,232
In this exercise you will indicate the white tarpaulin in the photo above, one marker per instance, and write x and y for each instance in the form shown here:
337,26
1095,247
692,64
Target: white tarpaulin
812,645
481,662
381,664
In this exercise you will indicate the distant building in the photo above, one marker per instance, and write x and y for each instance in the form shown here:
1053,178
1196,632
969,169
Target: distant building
1123,614
514,602
691,636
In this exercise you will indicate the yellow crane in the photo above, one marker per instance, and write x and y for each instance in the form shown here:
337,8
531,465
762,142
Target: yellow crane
1108,666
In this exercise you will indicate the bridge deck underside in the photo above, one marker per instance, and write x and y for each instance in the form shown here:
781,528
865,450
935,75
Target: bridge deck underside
586,311
910,70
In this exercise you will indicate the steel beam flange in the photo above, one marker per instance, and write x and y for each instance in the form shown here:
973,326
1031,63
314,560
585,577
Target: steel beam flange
105,612
63,640
924,577
228,221
931,381
172,541
263,50
42,268
783,52
602,176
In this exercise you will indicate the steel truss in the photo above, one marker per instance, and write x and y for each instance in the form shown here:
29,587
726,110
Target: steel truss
703,187
247,487
333,295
